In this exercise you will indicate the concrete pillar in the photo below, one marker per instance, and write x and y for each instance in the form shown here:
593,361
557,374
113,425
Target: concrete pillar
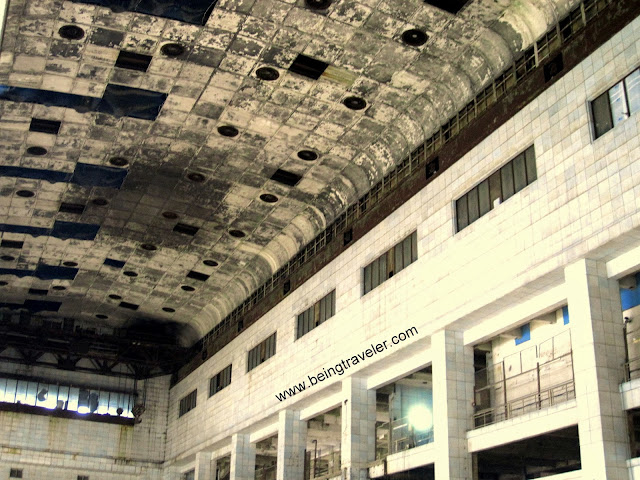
243,458
358,428
171,473
453,380
597,339
292,439
203,466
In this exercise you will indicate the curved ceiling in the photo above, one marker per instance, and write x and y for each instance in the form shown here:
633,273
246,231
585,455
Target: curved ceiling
138,203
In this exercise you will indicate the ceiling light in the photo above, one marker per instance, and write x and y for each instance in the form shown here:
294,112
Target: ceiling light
172,49
185,229
130,273
100,202
101,316
71,32
196,177
228,131
285,177
308,67
25,193
11,243
318,4
268,198
168,309
70,264
202,277
354,103
133,61
307,155
75,208
170,215
210,263
267,73
118,161
130,306
187,288
42,125
237,233
115,297
7,258
149,247
39,151
414,37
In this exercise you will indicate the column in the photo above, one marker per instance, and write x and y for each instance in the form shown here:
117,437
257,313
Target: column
453,381
243,458
203,466
358,428
597,339
292,439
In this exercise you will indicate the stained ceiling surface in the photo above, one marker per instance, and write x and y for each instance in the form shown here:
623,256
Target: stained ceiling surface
163,159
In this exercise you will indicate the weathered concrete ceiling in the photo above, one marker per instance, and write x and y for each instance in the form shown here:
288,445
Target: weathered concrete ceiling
409,91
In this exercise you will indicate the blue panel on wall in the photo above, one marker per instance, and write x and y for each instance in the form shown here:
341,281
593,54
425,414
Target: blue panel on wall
630,297
17,272
121,101
117,100
87,175
29,230
565,315
54,272
79,231
112,262
195,12
34,173
526,334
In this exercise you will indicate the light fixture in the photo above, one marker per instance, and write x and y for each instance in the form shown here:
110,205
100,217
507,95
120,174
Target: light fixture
118,161
38,151
237,233
71,32
414,37
267,73
268,198
420,417
25,193
210,263
307,155
172,49
354,103
228,131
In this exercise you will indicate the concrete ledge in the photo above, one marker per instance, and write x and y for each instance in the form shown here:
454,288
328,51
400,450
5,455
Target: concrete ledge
630,394
406,460
525,426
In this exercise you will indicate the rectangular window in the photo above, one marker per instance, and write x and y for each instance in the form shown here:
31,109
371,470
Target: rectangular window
616,104
83,477
392,261
321,311
220,380
190,475
261,352
502,184
15,473
188,403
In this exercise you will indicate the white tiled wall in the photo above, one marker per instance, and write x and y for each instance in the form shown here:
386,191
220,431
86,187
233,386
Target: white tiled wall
586,196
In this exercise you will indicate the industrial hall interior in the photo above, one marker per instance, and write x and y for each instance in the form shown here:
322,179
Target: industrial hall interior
320,239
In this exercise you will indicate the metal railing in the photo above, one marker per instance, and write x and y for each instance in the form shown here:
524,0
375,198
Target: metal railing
267,472
322,465
545,46
399,435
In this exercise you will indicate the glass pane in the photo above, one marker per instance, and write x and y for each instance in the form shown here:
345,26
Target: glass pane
601,110
474,208
63,398
397,254
103,403
367,278
3,385
530,160
300,329
406,251
495,189
483,197
519,172
382,265
32,391
10,392
375,274
632,84
462,216
21,391
618,103
414,246
506,177
322,311
52,397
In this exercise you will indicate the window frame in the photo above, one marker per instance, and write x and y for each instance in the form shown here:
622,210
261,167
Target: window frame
217,382
607,92
188,403
378,271
316,314
262,352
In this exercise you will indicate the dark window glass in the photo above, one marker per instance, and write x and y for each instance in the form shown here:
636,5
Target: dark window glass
474,210
261,352
391,262
188,402
462,213
506,177
519,172
632,85
602,114
530,160
483,198
220,380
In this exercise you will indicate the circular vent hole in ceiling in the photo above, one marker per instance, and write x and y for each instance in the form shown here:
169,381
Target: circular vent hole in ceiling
150,247
7,258
307,155
70,264
168,309
228,131
210,263
3,283
118,161
187,288
318,4
354,103
59,287
100,202
115,297
71,32
268,198
414,37
196,177
170,215
267,73
129,273
172,49
25,193
101,316
39,151
237,233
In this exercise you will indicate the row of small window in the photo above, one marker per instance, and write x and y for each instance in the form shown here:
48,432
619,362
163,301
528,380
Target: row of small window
65,397
17,473
392,261
616,104
216,383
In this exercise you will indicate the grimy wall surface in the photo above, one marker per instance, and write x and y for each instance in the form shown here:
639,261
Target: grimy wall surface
584,204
